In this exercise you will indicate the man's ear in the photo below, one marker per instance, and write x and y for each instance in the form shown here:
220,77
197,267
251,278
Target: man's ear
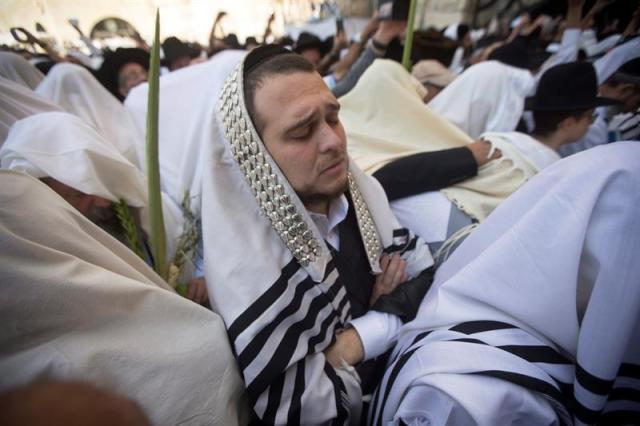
567,123
626,90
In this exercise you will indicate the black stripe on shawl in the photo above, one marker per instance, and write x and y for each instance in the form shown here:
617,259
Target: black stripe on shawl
273,404
339,391
251,351
392,377
263,302
629,370
537,354
410,245
584,414
592,383
529,353
400,232
293,417
286,347
375,403
625,394
472,327
322,335
619,418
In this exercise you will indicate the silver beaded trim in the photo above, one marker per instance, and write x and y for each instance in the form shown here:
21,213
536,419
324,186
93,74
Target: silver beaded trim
248,152
368,229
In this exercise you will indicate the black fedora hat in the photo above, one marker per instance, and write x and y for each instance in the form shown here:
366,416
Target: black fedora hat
113,62
565,87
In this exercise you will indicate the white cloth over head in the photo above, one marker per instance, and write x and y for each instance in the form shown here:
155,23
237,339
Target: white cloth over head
487,97
78,305
385,118
18,102
62,146
541,300
187,110
76,91
17,69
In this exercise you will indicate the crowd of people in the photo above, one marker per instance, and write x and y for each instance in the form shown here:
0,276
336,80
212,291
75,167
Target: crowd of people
349,241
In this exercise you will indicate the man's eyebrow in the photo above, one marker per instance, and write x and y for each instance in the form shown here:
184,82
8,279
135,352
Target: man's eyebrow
304,121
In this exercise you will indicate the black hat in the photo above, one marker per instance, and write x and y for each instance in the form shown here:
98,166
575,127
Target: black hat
113,62
175,49
520,53
565,87
308,41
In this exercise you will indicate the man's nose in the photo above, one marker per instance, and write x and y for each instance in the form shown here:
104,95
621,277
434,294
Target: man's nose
331,139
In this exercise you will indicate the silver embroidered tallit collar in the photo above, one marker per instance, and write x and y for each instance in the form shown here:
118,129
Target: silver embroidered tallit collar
271,189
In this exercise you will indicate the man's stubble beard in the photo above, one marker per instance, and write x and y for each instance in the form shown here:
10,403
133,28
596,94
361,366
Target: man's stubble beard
315,198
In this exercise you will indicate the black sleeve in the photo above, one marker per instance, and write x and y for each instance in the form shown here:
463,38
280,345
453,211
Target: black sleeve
405,299
426,171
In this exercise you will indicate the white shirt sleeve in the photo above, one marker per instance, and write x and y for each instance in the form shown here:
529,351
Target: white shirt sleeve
378,332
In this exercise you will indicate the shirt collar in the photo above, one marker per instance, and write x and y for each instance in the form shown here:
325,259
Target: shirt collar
338,209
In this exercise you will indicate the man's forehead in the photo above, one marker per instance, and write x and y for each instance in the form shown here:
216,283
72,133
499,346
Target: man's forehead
297,90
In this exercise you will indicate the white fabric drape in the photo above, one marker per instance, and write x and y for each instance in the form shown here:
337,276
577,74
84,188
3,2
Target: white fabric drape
543,297
17,69
62,146
385,118
615,58
76,91
78,305
487,97
18,102
186,122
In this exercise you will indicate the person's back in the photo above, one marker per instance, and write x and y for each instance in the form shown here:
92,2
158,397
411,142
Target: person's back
78,305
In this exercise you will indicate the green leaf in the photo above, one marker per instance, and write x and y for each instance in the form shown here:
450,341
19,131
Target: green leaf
158,237
408,41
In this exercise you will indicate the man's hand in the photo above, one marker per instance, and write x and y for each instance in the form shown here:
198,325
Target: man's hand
481,149
388,30
393,274
197,290
347,347
339,43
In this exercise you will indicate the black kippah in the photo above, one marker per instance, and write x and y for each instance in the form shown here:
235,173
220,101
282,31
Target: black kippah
261,54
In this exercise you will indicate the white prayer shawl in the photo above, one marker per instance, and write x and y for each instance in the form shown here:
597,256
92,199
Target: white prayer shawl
522,157
543,295
75,90
17,69
615,58
62,146
186,123
487,97
282,302
78,305
385,118
18,102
